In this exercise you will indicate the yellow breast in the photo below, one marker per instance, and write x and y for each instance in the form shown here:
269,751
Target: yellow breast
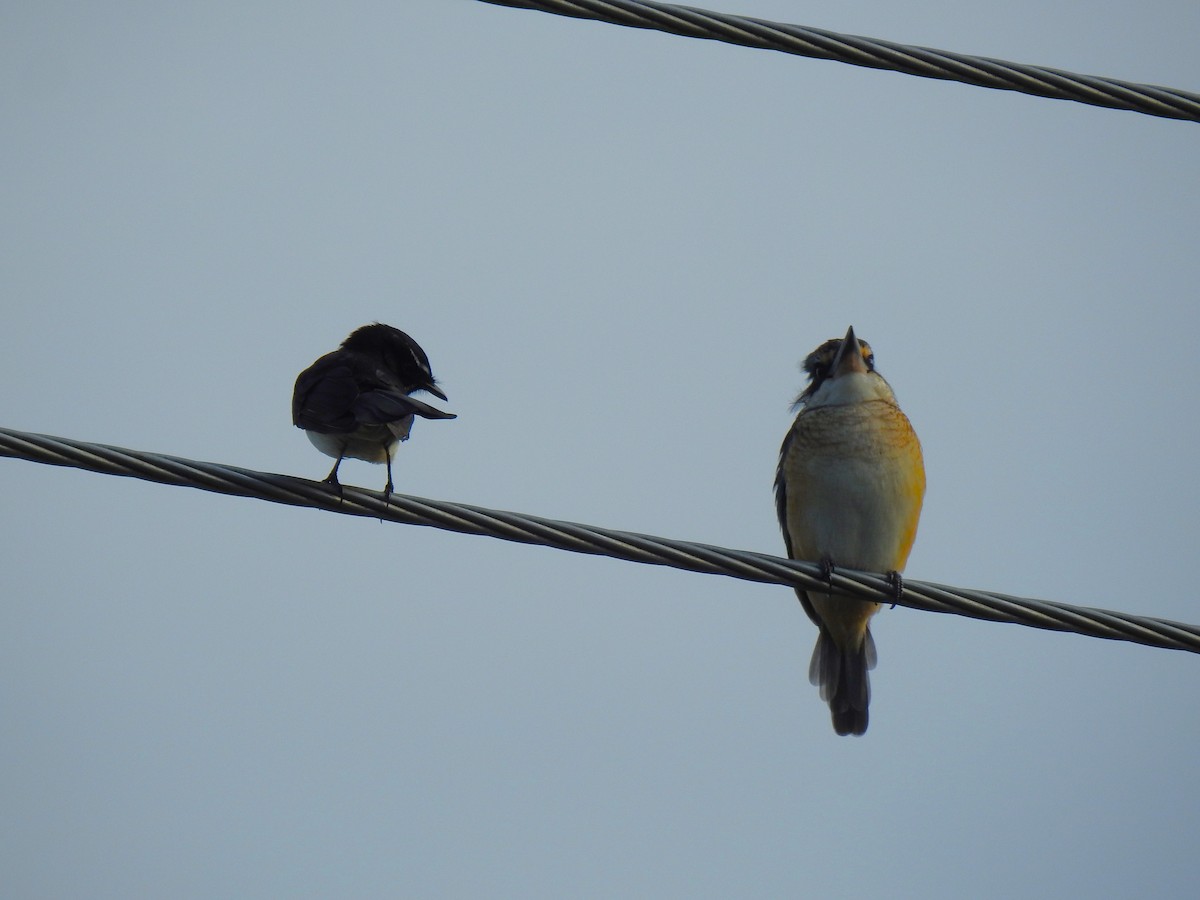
855,481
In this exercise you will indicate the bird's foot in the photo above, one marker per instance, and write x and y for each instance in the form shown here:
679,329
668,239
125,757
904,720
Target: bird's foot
896,580
827,570
332,481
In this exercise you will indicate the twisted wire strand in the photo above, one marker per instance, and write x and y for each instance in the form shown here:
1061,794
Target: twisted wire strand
926,62
625,545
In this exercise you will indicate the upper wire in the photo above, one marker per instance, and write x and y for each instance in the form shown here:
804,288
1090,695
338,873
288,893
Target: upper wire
873,53
578,538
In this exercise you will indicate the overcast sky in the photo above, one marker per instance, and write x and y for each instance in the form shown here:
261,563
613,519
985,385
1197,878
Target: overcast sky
615,246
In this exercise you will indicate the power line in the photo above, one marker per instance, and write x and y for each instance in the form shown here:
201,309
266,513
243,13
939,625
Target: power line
872,53
629,546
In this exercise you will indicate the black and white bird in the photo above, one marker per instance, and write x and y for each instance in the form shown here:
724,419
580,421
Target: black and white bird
355,401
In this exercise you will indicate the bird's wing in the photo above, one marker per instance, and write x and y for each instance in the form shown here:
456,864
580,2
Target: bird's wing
781,491
323,400
379,407
781,504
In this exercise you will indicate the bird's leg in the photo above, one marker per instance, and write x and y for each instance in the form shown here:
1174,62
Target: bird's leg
827,570
896,580
387,488
332,479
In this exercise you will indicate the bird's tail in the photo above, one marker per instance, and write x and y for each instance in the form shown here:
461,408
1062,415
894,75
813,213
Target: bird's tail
841,674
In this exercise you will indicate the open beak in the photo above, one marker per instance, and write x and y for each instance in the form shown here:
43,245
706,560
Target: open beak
849,356
435,390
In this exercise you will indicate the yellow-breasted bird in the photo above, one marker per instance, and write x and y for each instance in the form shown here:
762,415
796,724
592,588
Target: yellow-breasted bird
848,492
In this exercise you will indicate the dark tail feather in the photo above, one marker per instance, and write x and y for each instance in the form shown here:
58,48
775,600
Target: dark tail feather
841,674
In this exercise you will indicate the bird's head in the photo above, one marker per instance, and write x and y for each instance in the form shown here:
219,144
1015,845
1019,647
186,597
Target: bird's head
402,357
842,370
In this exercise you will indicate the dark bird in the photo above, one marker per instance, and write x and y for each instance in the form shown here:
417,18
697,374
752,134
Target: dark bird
355,401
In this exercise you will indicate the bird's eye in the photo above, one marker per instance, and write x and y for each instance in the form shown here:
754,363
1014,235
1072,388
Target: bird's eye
869,358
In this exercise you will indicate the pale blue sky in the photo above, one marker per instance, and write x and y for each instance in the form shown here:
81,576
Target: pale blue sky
615,247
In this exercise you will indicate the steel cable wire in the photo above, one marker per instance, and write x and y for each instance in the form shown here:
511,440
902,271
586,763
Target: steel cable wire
579,538
872,53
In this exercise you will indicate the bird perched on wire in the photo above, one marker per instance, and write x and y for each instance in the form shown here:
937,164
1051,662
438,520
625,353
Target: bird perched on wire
355,401
848,492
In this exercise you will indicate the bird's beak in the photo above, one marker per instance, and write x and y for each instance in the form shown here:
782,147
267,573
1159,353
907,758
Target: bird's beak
849,356
436,391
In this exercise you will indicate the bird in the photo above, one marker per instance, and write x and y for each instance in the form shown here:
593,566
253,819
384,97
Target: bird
355,401
848,492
